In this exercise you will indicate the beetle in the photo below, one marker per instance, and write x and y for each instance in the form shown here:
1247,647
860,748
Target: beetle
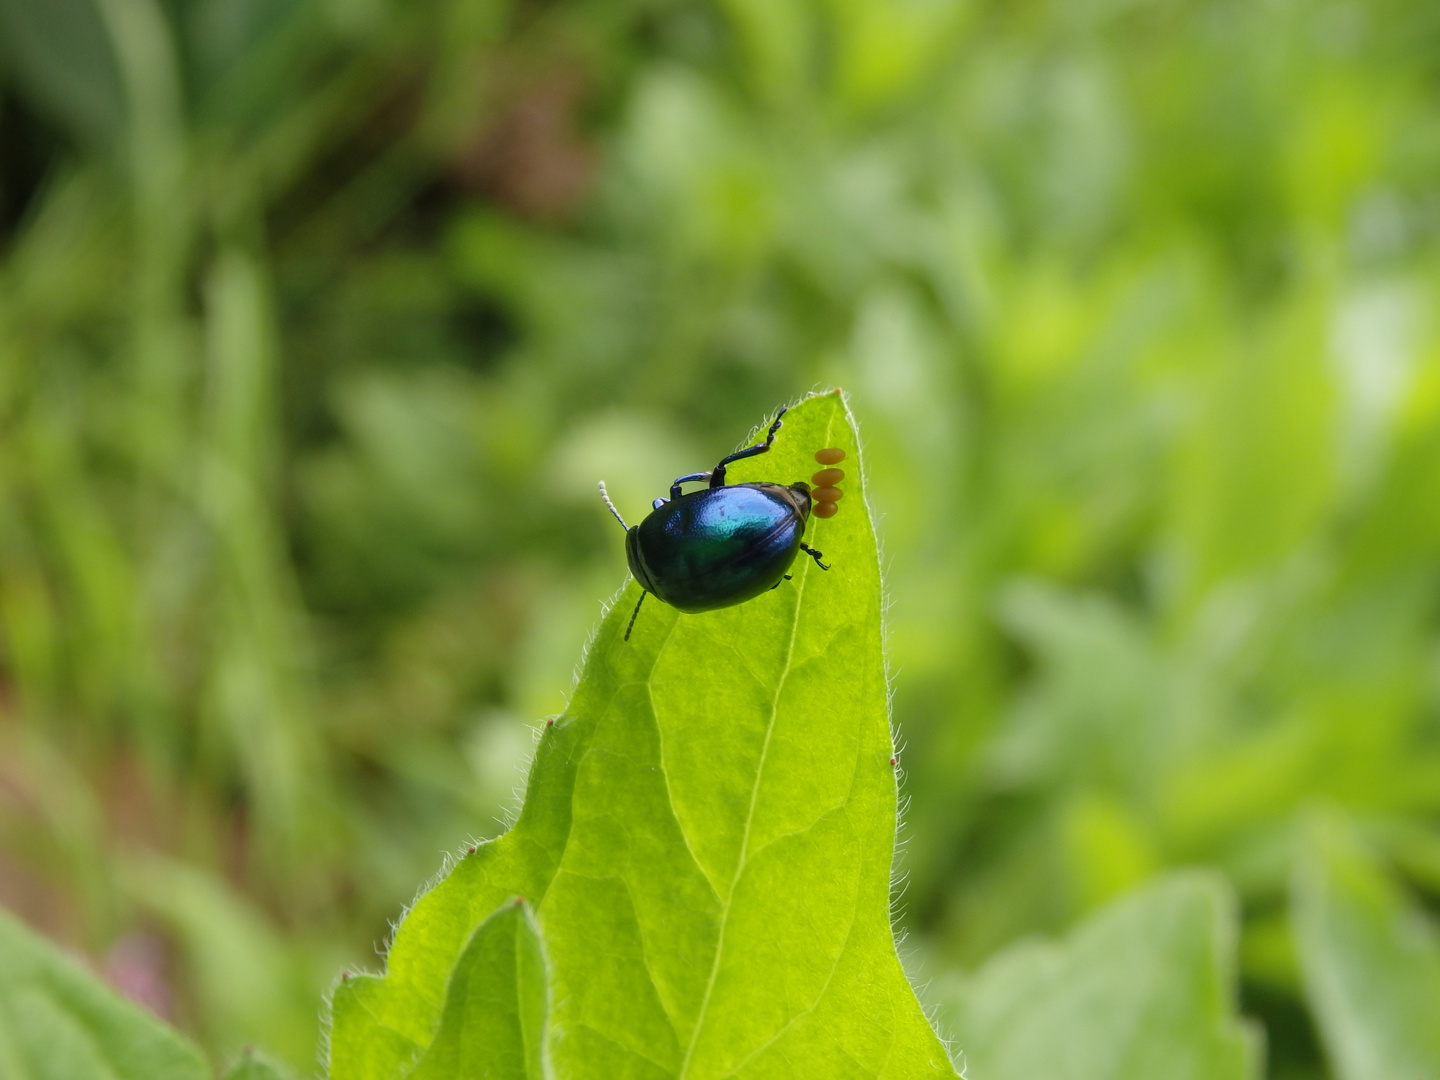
721,545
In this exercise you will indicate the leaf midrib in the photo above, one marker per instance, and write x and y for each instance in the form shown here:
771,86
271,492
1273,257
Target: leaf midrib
740,865
849,936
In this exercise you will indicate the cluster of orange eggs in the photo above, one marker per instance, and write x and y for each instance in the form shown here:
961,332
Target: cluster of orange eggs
825,494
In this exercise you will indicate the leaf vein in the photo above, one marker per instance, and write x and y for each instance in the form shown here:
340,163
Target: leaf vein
819,997
729,900
674,814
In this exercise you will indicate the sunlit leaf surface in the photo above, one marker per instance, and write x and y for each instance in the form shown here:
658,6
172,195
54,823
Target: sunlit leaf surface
707,839
493,1027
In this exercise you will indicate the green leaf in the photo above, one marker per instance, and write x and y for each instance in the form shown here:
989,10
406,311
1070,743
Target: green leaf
246,985
256,1066
64,61
707,838
1142,989
57,1022
495,1014
1371,960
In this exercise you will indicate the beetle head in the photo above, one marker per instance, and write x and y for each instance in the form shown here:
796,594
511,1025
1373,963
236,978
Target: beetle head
637,561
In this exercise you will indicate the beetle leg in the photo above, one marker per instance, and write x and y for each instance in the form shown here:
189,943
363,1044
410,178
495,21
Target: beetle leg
686,479
779,583
631,624
606,496
816,555
717,477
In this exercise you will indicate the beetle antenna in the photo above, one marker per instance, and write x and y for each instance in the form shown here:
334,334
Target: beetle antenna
606,496
631,624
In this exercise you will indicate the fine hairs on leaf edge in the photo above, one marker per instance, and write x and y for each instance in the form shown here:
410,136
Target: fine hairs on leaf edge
451,859
606,606
516,804
448,861
511,812
899,875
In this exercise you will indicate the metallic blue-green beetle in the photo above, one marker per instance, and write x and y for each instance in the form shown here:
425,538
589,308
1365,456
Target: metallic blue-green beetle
721,545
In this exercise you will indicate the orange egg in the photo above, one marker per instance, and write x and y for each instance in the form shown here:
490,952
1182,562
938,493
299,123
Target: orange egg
824,509
827,477
827,494
830,455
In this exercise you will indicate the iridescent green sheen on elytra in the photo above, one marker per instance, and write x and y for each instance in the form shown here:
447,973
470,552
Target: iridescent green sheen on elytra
718,546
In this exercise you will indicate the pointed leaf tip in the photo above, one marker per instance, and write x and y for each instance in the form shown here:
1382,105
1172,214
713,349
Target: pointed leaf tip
707,840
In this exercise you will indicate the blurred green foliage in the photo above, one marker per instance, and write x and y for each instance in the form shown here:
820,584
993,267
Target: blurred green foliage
706,845
318,321
1141,990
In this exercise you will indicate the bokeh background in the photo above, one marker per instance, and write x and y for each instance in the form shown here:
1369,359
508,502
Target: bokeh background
320,318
